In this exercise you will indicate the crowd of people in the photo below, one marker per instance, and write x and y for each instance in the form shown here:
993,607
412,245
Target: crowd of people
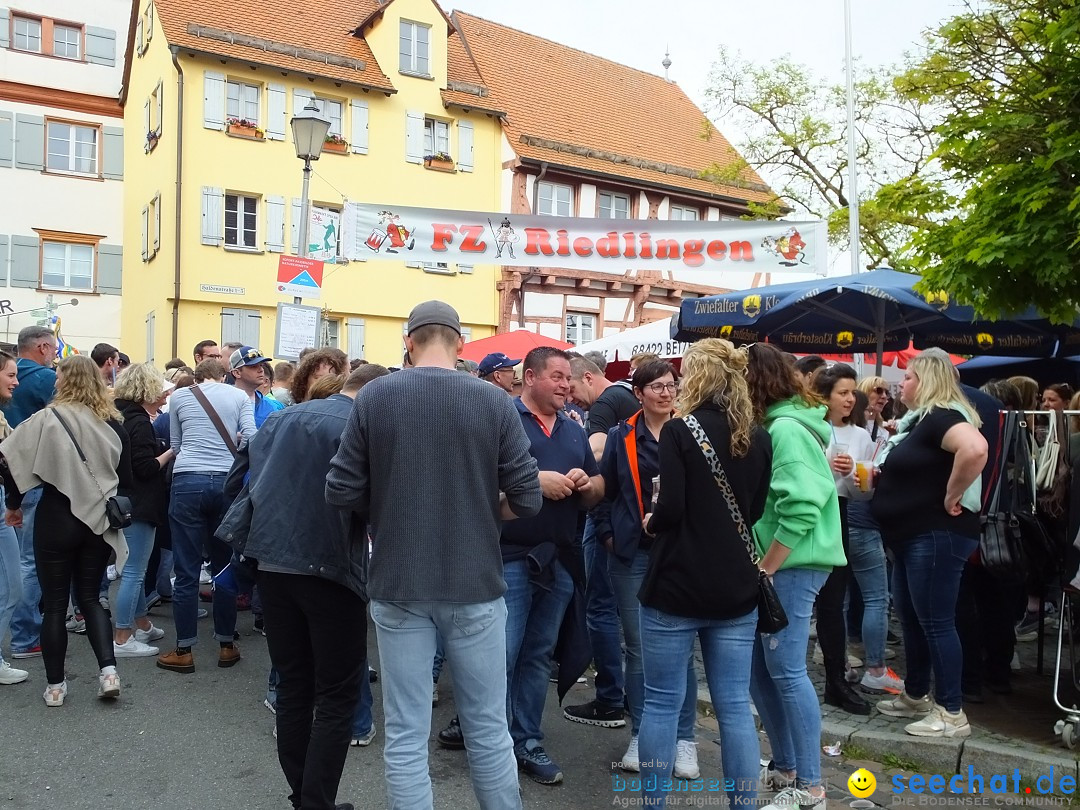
586,522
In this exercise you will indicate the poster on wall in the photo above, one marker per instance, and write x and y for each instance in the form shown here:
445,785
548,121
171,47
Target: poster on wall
400,233
297,328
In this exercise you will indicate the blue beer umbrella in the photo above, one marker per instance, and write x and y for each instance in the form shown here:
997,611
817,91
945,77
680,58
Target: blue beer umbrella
872,312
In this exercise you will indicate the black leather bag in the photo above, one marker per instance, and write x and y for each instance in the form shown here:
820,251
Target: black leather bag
1001,548
117,508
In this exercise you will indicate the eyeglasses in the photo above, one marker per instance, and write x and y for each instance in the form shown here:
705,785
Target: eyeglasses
659,387
881,391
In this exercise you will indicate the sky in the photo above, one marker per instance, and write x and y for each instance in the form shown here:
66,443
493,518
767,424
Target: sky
637,33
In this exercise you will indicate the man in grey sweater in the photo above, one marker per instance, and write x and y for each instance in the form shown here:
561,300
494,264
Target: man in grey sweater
452,443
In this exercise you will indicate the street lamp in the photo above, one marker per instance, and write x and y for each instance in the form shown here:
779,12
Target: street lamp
309,134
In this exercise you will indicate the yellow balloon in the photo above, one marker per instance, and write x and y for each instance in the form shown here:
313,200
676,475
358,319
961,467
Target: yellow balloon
862,783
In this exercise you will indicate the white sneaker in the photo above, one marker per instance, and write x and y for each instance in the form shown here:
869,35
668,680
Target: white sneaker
75,624
149,636
10,675
204,576
774,779
1014,665
270,706
362,742
888,681
55,694
793,798
108,686
903,705
686,765
630,761
940,723
133,648
112,573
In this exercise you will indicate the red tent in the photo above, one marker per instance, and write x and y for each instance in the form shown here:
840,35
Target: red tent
514,344
899,359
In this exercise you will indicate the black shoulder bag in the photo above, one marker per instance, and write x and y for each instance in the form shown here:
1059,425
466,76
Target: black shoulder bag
1001,549
771,615
118,507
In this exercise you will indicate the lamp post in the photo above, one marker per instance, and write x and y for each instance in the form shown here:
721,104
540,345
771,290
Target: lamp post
853,174
309,134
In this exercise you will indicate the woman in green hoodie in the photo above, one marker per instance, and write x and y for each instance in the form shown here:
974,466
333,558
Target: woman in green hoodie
799,540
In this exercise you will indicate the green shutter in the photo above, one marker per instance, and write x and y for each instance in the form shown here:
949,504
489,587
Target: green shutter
25,262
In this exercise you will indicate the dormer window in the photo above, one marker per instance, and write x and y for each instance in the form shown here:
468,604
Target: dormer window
414,49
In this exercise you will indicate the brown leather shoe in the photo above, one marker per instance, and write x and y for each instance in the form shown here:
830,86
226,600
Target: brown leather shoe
228,656
177,661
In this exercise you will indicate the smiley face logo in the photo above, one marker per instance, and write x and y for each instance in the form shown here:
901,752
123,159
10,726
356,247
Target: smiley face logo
862,783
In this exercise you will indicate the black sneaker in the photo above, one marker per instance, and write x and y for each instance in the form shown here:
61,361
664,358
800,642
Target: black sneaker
451,736
596,714
259,626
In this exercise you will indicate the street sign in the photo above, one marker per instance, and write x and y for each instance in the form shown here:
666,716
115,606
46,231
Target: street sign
299,277
39,313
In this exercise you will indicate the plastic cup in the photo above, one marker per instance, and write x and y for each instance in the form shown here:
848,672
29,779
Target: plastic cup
864,475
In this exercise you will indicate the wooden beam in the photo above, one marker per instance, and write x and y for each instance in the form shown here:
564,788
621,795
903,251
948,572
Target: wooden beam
583,283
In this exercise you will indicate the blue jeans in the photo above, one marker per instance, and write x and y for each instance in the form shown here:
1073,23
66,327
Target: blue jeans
533,619
10,577
26,620
195,512
727,648
926,581
626,582
866,556
474,635
131,598
362,720
602,620
781,689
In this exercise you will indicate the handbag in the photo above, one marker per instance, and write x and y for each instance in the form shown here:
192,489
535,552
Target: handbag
1042,551
118,508
771,615
1001,549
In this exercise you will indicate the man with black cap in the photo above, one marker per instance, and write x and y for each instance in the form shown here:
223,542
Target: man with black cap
437,569
498,369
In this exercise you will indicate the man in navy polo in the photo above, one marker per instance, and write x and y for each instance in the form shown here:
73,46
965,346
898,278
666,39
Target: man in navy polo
539,553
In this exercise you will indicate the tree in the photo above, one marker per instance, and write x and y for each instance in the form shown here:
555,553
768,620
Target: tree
1003,232
795,133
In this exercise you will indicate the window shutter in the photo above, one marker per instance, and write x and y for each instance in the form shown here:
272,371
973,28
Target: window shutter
160,95
29,142
100,46
213,100
110,269
146,233
151,320
7,136
5,27
149,22
359,127
275,224
25,261
355,336
157,222
147,125
414,137
465,146
249,327
113,162
230,325
140,44
295,225
213,216
275,116
3,258
465,269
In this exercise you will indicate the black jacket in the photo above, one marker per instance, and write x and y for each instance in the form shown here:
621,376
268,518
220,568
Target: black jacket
150,492
699,566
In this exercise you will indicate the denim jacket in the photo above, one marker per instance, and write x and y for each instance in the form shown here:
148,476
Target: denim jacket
291,525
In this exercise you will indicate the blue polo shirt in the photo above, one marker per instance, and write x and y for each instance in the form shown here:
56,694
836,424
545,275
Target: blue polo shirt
564,449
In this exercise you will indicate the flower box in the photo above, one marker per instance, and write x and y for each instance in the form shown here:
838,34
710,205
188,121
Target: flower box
439,164
338,147
244,129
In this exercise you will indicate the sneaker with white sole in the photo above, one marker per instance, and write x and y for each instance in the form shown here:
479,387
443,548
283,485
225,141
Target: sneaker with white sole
888,681
538,766
9,675
792,798
150,635
774,779
270,707
133,648
75,624
686,764
940,723
630,760
365,740
55,693
903,705
112,573
204,576
108,686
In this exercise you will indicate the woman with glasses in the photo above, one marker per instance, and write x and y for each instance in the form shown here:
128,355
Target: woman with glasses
630,462
877,392
701,583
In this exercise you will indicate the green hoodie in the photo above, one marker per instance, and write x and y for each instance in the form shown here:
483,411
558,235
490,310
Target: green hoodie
802,511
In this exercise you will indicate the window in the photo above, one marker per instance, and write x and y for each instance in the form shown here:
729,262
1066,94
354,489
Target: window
331,111
241,216
580,328
436,137
27,34
414,48
614,206
466,333
67,41
67,266
72,148
682,212
242,101
553,200
439,268
331,332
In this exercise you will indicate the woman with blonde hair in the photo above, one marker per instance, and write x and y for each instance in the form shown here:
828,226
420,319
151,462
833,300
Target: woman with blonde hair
72,534
877,392
927,504
698,545
140,392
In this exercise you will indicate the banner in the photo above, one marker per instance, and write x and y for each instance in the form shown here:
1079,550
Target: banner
406,234
323,234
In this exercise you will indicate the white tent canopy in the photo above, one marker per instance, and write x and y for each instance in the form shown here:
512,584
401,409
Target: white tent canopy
652,337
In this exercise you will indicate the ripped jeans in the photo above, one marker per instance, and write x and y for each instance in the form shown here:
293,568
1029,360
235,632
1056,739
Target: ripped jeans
779,684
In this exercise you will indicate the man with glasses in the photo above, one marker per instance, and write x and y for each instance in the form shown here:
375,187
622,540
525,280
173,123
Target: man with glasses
207,350
498,369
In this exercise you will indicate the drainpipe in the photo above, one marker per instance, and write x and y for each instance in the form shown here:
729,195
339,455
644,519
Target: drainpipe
179,209
532,271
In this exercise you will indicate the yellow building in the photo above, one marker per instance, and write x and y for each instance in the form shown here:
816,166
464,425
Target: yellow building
217,202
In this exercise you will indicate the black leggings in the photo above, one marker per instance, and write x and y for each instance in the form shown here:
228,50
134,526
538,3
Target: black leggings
831,631
68,552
